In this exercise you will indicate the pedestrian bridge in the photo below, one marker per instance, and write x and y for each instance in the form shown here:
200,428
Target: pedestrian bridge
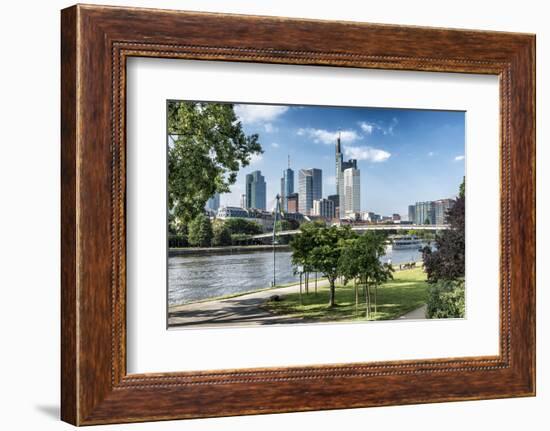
364,228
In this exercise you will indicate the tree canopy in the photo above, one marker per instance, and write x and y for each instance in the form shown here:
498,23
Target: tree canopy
318,247
207,147
447,262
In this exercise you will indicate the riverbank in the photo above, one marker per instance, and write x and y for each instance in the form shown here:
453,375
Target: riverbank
281,305
192,251
408,291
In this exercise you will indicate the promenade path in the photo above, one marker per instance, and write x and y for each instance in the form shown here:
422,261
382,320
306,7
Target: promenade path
247,309
419,313
236,311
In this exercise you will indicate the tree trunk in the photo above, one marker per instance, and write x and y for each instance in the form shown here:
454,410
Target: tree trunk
307,283
300,288
331,301
356,296
367,300
375,298
315,282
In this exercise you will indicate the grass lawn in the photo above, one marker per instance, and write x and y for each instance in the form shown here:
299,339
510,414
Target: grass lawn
406,292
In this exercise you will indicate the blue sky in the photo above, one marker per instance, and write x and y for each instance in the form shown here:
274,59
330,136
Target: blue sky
404,155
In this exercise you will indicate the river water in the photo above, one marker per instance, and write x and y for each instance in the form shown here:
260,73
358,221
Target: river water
196,277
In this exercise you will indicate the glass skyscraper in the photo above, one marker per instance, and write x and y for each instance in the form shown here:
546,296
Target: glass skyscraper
213,203
310,188
352,191
287,186
255,191
341,166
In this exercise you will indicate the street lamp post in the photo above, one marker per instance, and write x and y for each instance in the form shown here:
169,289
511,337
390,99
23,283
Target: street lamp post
277,210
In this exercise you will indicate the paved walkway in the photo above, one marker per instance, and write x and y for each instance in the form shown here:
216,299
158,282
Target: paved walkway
419,313
237,311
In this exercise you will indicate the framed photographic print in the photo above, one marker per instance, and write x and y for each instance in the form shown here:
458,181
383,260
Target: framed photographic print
319,214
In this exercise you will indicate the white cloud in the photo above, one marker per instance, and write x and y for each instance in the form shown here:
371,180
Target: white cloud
255,159
329,137
389,129
367,153
385,129
459,158
249,114
270,128
275,145
368,128
430,154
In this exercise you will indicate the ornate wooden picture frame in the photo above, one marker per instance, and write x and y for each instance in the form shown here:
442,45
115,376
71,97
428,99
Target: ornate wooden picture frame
96,41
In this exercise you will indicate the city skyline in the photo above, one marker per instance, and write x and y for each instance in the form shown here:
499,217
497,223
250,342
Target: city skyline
417,154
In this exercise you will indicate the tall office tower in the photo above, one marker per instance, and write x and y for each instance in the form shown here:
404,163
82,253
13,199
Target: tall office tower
310,187
213,203
243,201
352,191
287,186
412,213
255,190
425,212
341,166
441,207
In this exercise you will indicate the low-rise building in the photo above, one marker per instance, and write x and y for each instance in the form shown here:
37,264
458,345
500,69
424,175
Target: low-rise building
323,208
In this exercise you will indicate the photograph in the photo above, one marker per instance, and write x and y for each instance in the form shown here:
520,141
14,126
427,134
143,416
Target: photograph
295,214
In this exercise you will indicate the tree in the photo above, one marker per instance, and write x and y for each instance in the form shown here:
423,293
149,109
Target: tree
360,259
200,231
207,147
221,235
348,266
303,243
447,262
318,248
242,226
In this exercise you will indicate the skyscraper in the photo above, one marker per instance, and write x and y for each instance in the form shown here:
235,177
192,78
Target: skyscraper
352,191
310,187
341,166
412,213
213,203
255,190
425,212
441,208
287,185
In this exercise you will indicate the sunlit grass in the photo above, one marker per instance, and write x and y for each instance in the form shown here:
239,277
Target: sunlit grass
406,292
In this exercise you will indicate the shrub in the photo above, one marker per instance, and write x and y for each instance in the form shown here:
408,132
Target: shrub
446,299
222,235
200,231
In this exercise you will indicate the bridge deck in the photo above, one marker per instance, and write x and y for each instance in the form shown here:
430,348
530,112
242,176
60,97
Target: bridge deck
365,228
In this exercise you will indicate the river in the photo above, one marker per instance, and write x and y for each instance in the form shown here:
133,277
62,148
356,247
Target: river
197,277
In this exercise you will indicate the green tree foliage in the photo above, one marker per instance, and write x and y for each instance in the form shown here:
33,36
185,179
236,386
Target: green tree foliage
200,231
207,147
318,248
221,235
360,261
303,243
242,226
447,262
446,299
287,225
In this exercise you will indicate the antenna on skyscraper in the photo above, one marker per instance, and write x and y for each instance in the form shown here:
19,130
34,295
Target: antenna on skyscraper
289,161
